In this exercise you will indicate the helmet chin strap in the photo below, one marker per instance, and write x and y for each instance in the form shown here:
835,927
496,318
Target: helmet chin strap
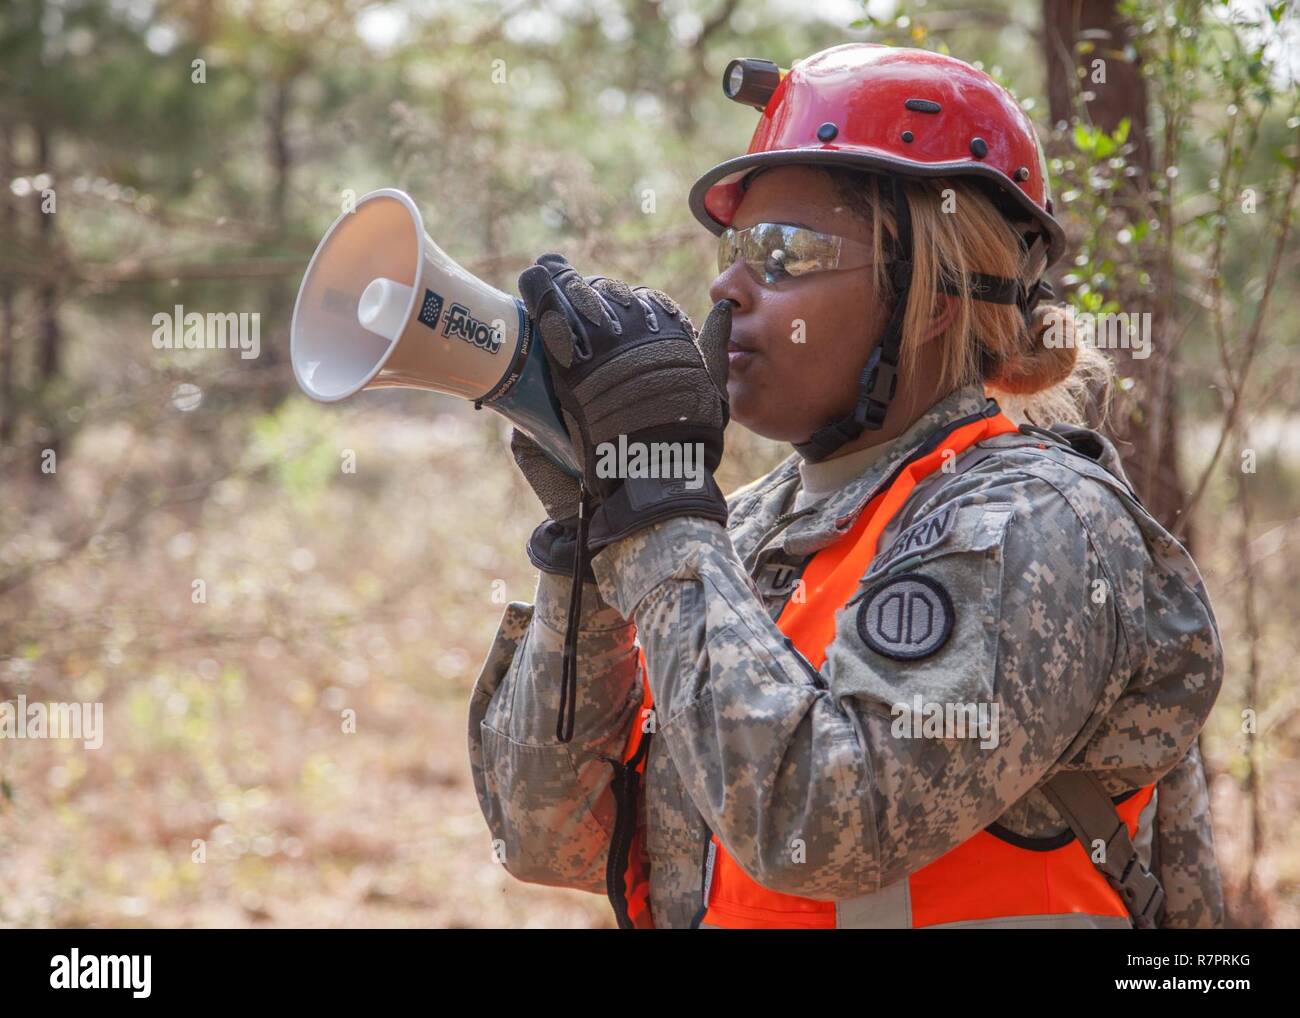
879,376
878,383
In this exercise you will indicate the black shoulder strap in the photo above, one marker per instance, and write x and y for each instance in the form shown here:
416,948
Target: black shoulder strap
1083,804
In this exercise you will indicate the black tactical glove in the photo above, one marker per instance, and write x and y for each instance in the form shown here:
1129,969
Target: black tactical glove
626,365
552,546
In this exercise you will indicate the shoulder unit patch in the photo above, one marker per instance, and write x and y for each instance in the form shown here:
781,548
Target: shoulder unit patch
924,534
906,617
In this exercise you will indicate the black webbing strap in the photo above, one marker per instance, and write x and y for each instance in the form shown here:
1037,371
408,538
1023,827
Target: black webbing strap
569,668
1001,290
1083,804
991,289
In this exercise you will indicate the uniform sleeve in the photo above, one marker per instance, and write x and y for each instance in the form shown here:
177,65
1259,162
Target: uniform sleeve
1186,864
833,784
549,805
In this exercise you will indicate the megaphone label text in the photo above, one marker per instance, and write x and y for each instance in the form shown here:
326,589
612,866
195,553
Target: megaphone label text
459,322
463,325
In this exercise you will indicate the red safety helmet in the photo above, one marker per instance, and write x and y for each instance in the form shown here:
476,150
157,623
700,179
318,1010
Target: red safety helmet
891,110
902,113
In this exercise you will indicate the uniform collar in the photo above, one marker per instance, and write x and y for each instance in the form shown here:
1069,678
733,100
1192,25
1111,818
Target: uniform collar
830,518
821,478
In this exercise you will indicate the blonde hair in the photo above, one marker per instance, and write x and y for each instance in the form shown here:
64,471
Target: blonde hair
982,341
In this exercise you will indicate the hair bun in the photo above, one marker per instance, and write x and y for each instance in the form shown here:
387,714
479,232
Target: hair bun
1040,365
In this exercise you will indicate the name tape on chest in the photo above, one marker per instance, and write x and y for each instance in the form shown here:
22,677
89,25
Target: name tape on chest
906,617
922,535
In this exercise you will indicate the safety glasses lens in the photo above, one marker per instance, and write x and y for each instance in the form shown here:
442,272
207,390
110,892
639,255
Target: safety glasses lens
776,251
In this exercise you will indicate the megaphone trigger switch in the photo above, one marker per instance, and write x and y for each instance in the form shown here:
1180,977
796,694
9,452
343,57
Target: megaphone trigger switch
382,307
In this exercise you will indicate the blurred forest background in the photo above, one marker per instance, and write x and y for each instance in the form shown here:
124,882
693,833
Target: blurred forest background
164,152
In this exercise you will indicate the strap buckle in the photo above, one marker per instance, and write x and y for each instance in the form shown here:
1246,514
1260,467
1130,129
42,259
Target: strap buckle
1084,804
1136,885
882,381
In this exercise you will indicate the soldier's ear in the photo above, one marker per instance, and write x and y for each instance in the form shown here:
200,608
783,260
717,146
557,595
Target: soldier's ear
948,307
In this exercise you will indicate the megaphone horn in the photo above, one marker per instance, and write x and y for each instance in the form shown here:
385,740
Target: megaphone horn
382,305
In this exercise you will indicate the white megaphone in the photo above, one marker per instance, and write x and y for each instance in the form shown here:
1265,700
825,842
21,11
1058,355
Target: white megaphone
382,305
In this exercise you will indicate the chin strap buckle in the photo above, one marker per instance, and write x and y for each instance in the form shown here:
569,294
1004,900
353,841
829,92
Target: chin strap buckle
882,382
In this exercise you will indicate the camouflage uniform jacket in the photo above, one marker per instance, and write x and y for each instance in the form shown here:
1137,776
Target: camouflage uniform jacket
1074,611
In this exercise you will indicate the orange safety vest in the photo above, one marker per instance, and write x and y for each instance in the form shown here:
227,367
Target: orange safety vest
985,877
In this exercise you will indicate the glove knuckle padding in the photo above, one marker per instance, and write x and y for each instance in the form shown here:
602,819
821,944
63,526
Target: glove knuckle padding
557,336
682,400
626,298
586,301
660,382
634,363
614,288
661,298
651,295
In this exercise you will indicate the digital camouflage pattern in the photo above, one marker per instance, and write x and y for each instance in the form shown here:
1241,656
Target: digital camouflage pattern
1185,860
547,803
1075,614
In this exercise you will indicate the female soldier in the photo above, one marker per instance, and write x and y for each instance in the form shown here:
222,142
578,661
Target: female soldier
934,669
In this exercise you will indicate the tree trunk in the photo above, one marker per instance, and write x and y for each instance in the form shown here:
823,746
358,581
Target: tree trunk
1145,419
9,242
278,299
49,350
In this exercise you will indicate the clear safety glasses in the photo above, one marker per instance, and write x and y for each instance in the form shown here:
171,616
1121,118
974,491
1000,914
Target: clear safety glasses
777,251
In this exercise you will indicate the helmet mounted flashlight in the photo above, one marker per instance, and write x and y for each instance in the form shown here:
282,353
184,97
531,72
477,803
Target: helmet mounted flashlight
751,81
